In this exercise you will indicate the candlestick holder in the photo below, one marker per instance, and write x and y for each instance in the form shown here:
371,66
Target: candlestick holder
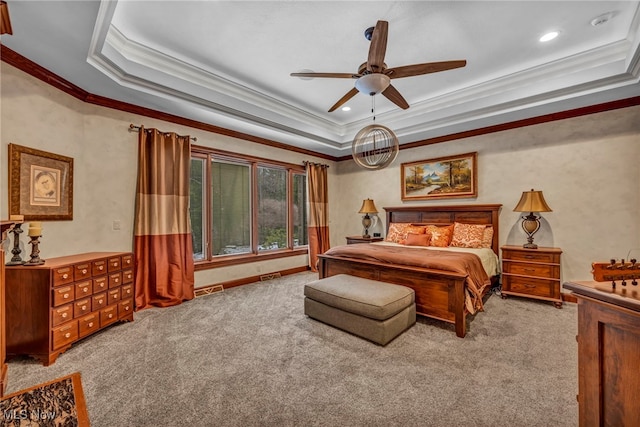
35,251
16,259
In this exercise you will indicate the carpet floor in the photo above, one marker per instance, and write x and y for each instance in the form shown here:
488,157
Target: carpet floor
249,356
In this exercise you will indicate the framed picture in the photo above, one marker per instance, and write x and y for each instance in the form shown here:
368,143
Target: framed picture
40,184
441,178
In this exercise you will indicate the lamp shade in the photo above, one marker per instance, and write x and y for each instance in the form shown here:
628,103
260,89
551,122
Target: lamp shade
532,201
368,207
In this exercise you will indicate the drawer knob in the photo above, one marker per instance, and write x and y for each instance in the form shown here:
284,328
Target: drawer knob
529,270
65,276
85,290
529,285
100,301
84,271
110,316
128,261
64,315
84,307
126,308
116,280
115,264
91,324
65,296
67,335
101,268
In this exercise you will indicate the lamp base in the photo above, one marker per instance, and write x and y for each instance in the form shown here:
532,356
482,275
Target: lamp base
530,246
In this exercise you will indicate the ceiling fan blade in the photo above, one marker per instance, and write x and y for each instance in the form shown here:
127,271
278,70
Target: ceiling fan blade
392,94
378,47
344,99
419,69
329,75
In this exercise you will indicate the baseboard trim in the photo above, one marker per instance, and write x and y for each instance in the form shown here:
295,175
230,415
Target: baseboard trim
259,278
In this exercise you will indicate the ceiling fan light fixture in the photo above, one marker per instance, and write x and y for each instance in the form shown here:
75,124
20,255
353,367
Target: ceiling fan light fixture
373,84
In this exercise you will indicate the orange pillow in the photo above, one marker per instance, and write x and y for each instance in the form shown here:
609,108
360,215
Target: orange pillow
467,235
398,231
417,239
487,238
440,236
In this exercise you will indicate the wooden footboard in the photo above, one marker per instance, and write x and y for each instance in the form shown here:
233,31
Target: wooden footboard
439,294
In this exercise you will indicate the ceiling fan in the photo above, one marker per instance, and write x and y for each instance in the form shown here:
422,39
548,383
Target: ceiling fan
374,77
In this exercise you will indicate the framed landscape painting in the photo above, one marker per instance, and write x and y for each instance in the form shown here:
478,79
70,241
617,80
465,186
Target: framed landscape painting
40,184
441,178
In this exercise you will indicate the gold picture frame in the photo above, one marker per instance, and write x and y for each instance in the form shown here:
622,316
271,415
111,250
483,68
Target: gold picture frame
440,178
40,184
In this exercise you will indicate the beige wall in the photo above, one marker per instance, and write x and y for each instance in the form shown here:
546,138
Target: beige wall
587,168
39,116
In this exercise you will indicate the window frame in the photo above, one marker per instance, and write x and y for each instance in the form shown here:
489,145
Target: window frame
211,261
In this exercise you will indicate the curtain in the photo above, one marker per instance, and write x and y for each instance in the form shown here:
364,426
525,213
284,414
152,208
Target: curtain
318,212
164,274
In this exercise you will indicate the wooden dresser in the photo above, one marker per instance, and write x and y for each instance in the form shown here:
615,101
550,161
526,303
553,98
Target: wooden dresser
51,306
608,349
532,273
359,239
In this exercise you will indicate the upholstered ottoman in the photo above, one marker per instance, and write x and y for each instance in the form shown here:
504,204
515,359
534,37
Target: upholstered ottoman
373,310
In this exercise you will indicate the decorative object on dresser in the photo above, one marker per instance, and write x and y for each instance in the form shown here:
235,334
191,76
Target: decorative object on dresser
40,184
49,307
616,271
532,273
531,201
360,239
368,207
442,178
17,230
608,346
35,232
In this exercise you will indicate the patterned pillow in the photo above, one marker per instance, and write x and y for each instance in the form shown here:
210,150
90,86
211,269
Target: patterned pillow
440,236
467,235
487,238
399,230
414,239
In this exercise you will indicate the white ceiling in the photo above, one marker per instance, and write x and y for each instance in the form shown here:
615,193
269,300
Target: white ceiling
227,63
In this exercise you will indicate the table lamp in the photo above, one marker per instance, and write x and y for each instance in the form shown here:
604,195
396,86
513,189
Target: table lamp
531,201
367,208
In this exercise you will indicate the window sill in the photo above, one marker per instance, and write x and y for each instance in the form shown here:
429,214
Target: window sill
226,260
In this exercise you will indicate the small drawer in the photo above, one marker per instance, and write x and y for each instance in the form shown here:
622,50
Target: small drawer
530,269
127,276
113,296
532,256
59,315
127,261
62,276
100,284
125,308
108,315
115,263
99,300
64,335
63,295
99,267
81,271
84,289
88,324
115,280
82,307
530,286
126,291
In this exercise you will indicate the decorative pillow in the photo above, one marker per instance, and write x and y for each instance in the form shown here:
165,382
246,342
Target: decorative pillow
467,235
399,230
487,237
440,236
414,239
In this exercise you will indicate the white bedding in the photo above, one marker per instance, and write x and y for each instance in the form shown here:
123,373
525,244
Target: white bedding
488,258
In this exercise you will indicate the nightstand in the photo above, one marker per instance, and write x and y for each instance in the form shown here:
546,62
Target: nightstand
532,273
359,239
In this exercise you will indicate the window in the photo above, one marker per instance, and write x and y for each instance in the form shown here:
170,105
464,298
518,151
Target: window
244,208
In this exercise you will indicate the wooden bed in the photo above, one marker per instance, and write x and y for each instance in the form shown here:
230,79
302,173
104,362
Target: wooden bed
439,294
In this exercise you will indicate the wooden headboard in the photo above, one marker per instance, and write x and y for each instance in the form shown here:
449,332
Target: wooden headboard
468,214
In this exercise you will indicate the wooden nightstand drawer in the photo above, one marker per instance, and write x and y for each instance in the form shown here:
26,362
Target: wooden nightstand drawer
99,267
115,280
108,315
88,324
81,271
113,296
115,263
125,308
84,289
63,295
99,300
530,286
62,276
62,314
100,284
82,307
531,255
65,334
537,270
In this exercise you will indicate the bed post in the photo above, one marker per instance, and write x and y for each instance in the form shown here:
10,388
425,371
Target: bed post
458,306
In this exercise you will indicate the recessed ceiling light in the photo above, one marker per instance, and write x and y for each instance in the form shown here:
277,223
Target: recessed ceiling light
602,19
346,108
549,36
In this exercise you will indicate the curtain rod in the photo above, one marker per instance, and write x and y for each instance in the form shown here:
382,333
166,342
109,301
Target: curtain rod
315,164
134,128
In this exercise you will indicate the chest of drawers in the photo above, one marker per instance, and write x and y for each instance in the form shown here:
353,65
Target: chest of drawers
49,307
532,273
